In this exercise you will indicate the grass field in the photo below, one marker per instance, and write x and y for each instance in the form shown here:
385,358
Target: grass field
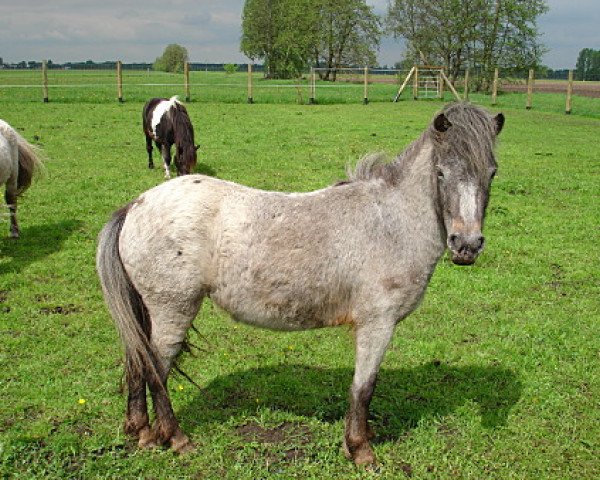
496,375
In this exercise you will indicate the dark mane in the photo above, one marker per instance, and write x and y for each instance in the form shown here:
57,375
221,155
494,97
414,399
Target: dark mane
182,126
471,137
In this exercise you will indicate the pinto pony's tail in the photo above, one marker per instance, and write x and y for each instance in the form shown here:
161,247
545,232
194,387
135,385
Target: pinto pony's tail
126,305
30,163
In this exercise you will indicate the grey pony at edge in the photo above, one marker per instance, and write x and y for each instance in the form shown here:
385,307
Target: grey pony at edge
360,252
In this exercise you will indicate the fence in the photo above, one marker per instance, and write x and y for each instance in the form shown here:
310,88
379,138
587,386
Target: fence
351,85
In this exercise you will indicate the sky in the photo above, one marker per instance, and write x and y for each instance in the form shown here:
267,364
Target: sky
139,30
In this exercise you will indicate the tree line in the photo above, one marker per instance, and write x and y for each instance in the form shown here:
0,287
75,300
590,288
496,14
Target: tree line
291,35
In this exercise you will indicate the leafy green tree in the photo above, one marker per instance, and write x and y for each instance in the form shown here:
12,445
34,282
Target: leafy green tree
480,34
230,68
289,34
172,60
348,33
278,32
588,65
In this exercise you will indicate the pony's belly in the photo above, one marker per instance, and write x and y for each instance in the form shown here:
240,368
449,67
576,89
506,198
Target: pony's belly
282,324
272,315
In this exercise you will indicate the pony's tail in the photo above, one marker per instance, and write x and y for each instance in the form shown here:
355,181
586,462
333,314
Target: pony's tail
126,304
30,163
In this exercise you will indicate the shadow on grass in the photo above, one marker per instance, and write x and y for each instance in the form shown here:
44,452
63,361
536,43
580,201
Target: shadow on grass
205,169
402,398
35,243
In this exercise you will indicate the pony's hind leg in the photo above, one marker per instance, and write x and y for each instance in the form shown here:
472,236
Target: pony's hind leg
169,328
137,423
371,344
10,196
149,150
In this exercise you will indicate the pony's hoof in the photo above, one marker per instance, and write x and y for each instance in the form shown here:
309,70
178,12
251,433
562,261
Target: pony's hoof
181,444
146,439
364,455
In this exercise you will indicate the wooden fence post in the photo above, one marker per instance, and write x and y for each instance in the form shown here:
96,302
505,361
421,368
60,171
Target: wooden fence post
250,98
440,85
404,83
450,86
416,84
495,87
466,87
366,89
313,86
45,80
569,93
186,80
529,90
120,81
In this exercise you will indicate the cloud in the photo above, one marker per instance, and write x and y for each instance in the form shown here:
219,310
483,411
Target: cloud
138,30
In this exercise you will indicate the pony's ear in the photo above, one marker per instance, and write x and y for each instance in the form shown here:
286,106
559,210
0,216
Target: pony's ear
441,123
499,122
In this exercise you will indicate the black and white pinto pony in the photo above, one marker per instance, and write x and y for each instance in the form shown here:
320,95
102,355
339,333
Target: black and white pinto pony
19,162
359,253
166,122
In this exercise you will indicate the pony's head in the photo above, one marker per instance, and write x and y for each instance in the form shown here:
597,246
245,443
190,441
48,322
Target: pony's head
186,158
464,168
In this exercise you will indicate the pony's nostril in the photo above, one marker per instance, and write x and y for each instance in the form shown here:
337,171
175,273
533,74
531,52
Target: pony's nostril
453,240
479,242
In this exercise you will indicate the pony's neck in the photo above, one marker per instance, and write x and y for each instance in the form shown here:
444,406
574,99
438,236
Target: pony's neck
416,194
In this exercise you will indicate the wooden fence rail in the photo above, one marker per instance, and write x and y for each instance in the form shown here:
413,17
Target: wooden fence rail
432,76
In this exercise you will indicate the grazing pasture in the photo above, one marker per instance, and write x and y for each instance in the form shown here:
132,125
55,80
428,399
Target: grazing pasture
496,375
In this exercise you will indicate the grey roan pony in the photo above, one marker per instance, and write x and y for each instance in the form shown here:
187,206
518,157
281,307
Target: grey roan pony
359,253
19,162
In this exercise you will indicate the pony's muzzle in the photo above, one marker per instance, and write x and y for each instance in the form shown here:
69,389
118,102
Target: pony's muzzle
465,248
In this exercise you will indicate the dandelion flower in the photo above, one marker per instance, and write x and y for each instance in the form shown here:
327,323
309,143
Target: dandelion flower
82,401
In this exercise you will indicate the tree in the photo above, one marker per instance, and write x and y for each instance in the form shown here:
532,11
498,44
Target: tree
480,34
172,60
588,65
348,34
230,68
289,34
278,32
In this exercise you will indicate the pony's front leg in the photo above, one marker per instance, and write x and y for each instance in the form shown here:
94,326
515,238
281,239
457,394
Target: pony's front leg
10,196
371,344
166,155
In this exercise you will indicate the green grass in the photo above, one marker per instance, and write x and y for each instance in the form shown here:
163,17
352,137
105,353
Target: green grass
496,375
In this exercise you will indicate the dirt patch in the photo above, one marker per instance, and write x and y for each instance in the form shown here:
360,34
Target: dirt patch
585,89
61,309
292,437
